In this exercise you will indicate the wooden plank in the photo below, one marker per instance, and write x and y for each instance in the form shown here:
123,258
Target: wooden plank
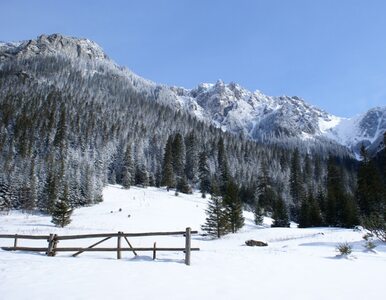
15,242
135,253
102,235
23,236
74,249
97,235
92,246
32,249
154,250
187,246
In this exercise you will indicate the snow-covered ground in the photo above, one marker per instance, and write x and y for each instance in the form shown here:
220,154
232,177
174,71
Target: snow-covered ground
297,264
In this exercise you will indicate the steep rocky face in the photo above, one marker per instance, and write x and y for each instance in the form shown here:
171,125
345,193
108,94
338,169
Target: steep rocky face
52,45
256,115
227,106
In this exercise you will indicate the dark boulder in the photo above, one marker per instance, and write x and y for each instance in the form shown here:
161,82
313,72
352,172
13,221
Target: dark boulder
255,243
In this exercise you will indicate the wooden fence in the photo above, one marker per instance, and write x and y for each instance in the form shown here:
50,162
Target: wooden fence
53,240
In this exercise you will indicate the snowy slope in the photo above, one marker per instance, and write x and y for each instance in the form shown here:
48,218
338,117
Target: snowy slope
227,106
366,129
297,264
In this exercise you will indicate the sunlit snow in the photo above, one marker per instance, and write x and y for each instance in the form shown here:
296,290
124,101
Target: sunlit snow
297,264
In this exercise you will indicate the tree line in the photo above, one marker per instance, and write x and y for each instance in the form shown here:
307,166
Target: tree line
66,133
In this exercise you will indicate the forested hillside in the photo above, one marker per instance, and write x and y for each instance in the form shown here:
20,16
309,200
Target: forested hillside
70,125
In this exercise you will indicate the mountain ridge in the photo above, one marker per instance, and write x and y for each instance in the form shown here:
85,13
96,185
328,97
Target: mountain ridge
227,106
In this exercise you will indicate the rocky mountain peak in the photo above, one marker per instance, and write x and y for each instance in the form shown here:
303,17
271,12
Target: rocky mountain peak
228,106
53,44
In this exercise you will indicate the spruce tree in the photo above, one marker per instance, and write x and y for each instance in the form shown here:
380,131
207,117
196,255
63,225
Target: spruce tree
308,175
61,213
24,198
216,223
33,186
178,153
6,198
183,186
349,214
50,192
128,174
280,214
265,195
204,174
167,166
304,214
141,176
87,188
315,213
233,207
191,157
61,131
296,182
321,202
309,215
223,168
334,192
369,185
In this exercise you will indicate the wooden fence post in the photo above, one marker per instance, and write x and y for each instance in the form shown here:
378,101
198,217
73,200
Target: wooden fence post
15,242
54,244
50,244
187,246
154,250
119,245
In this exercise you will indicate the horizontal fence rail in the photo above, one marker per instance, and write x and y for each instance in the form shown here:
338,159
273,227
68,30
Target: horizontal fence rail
72,249
54,239
96,235
23,236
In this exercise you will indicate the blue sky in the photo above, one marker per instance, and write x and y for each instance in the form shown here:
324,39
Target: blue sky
330,52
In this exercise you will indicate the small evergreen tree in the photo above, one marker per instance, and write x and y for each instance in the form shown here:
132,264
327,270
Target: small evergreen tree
141,176
233,207
280,214
61,213
183,186
216,222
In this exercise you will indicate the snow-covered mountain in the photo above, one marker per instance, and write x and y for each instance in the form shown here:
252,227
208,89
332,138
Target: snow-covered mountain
367,129
227,106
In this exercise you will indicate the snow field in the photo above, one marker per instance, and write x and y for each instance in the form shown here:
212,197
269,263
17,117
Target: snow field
297,264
